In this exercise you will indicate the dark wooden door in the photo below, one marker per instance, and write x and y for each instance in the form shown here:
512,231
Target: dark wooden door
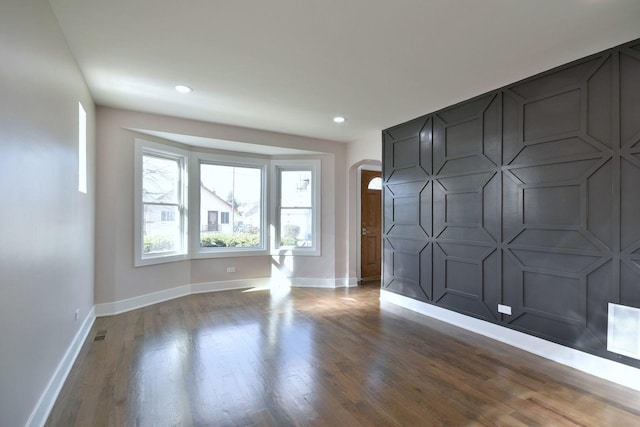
371,224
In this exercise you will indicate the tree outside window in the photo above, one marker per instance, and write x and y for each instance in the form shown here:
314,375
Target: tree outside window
162,204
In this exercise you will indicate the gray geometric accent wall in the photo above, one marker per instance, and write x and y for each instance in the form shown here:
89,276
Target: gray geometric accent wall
527,196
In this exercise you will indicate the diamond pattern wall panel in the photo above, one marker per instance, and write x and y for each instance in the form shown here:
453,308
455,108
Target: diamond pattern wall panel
407,200
525,196
629,291
466,147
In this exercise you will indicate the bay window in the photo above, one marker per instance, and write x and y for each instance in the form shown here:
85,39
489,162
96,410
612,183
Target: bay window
196,204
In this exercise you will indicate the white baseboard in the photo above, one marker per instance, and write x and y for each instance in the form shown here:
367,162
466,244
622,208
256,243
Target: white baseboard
600,367
122,306
118,307
48,398
347,282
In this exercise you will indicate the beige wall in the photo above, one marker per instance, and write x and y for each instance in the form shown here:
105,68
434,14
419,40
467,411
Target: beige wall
47,226
116,277
369,147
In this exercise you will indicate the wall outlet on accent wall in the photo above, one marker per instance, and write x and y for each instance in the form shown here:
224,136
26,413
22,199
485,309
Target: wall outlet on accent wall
231,269
504,309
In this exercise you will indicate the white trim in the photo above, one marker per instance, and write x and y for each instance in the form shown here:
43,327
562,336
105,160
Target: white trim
347,282
42,409
122,306
118,307
600,367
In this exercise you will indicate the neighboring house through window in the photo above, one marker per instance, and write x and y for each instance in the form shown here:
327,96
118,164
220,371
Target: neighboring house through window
168,216
232,197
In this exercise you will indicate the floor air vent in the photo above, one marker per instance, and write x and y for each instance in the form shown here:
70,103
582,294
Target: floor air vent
623,335
100,335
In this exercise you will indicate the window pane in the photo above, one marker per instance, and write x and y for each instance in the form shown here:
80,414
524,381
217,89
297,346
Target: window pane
296,227
161,229
160,179
168,215
230,206
295,189
375,184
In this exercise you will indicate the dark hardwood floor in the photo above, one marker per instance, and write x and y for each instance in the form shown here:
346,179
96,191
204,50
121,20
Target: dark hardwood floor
318,357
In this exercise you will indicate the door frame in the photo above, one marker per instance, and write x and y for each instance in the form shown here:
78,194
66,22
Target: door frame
369,167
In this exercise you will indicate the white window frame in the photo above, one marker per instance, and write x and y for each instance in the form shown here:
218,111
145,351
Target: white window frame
143,147
199,158
313,165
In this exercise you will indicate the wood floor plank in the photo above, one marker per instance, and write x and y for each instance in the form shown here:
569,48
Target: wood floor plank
318,357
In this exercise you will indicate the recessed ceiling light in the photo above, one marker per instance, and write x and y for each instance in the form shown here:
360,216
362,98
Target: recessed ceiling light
183,89
339,119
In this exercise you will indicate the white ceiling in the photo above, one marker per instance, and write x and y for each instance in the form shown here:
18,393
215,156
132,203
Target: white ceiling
291,65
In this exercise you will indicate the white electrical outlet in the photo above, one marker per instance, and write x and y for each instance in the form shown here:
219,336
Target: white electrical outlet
504,309
231,269
77,314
